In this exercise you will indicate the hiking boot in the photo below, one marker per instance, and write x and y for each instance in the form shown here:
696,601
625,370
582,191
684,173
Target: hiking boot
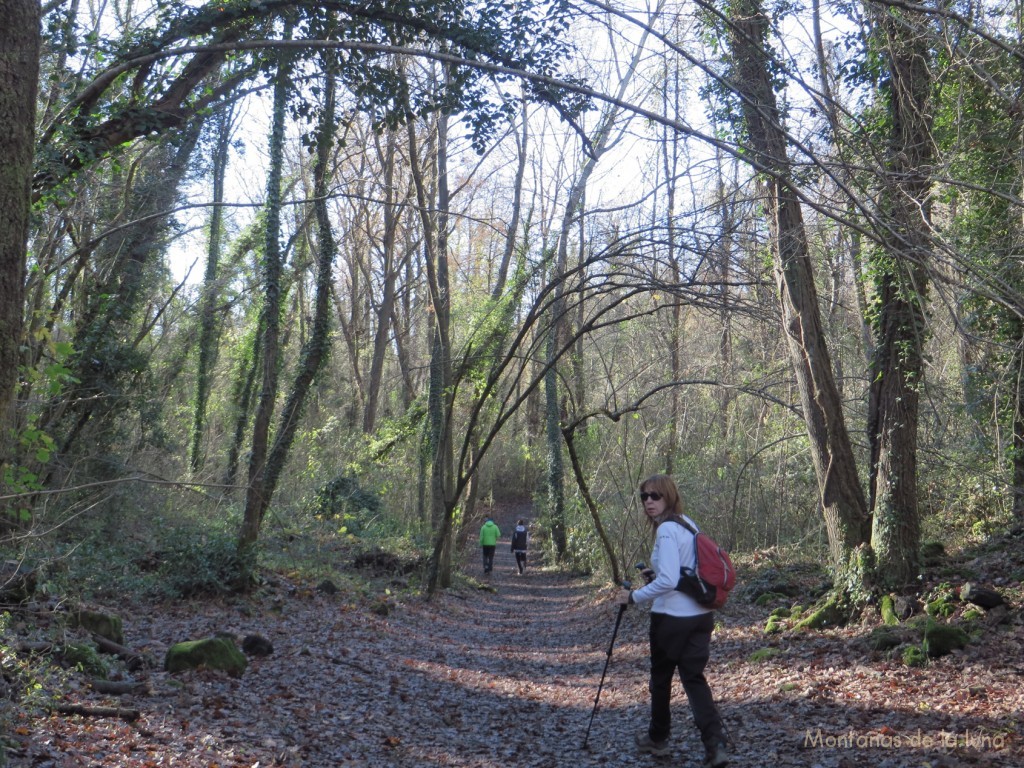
645,743
717,757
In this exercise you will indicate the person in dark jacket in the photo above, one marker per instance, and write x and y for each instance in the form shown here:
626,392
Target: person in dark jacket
520,542
489,535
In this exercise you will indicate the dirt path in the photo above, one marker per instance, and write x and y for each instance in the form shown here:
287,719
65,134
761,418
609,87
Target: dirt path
500,676
505,677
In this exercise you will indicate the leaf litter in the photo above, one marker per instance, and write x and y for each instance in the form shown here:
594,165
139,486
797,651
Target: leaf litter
507,674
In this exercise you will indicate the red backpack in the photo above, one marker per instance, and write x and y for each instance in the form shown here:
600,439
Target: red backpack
712,577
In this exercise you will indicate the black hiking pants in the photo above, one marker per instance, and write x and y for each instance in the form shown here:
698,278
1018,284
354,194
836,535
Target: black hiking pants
488,557
682,643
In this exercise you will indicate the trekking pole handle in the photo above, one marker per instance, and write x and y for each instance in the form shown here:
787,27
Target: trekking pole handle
646,572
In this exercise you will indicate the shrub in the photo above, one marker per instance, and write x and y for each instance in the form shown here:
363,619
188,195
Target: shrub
194,565
914,656
345,500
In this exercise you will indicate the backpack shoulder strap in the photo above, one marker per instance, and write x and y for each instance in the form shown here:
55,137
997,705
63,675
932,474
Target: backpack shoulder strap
682,521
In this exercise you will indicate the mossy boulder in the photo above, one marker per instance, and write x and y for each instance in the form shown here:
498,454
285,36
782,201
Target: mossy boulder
942,607
972,615
105,625
769,598
87,658
885,638
832,613
943,639
887,608
213,653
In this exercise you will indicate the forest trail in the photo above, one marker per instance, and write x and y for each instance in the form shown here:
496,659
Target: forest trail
505,677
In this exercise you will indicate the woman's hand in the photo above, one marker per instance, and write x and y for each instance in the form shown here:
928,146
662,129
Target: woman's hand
622,597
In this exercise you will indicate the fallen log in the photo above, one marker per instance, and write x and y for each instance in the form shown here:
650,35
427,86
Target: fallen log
117,687
131,658
125,713
981,596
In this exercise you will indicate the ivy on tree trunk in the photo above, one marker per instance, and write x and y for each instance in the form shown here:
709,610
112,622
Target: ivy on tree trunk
19,78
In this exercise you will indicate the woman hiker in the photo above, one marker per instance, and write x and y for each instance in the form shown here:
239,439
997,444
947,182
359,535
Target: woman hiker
680,632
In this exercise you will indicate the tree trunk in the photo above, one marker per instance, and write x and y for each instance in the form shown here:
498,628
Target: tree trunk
315,350
842,498
901,288
207,309
255,501
569,433
241,399
438,445
392,210
558,329
19,79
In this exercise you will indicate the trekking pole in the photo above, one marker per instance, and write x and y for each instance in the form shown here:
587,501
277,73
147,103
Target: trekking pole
597,698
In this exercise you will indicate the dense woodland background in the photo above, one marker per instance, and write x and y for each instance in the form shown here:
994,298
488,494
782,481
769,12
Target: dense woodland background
276,275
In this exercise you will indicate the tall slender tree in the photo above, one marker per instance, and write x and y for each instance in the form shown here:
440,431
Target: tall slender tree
19,79
900,266
207,349
602,139
256,496
842,498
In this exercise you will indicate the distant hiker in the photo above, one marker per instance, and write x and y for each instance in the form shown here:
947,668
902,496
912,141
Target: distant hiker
680,634
520,541
489,535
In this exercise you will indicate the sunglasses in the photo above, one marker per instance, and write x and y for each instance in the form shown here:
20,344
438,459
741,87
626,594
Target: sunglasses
653,496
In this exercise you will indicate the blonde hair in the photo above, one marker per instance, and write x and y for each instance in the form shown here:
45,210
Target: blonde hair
669,491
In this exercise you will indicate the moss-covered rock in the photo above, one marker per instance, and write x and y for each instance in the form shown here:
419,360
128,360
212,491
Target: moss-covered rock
832,613
972,615
884,639
942,607
774,626
887,607
103,624
213,653
770,598
943,639
87,658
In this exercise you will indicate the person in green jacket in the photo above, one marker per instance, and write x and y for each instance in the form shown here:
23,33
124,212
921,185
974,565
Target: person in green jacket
489,535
